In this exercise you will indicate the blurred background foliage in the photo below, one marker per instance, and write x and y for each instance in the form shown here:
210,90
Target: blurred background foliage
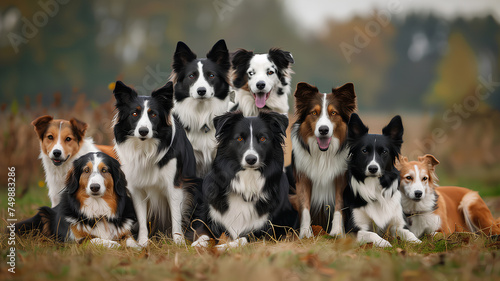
422,66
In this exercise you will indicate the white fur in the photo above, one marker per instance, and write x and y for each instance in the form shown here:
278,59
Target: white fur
102,228
324,120
242,217
373,163
240,242
321,167
195,113
55,176
201,242
259,65
305,224
383,210
144,122
201,82
152,189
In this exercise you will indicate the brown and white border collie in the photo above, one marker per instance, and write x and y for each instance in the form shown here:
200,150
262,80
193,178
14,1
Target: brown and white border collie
61,142
431,208
319,158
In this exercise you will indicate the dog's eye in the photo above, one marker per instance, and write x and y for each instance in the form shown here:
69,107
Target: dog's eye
364,150
50,137
153,115
191,76
409,178
250,73
384,151
86,170
424,178
314,113
104,170
239,139
211,76
262,139
270,72
68,139
333,113
135,114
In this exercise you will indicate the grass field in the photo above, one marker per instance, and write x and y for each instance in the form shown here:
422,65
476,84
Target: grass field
459,257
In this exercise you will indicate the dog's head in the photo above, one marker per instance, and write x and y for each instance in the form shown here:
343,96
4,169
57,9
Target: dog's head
418,178
96,175
262,74
323,116
251,142
59,139
143,117
201,78
373,155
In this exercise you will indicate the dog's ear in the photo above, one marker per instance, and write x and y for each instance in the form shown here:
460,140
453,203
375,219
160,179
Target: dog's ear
220,55
165,96
400,161
119,179
123,93
277,121
430,160
394,130
240,61
182,56
41,124
79,128
282,59
303,94
356,128
73,179
225,120
345,99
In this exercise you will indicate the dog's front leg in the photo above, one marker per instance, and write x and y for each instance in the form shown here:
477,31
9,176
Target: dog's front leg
304,186
176,205
337,221
404,234
365,236
140,206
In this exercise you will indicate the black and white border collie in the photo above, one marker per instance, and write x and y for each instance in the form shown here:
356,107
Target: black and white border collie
319,159
372,196
95,205
246,192
201,89
261,81
157,158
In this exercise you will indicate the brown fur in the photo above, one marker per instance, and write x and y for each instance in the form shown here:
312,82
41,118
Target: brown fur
455,205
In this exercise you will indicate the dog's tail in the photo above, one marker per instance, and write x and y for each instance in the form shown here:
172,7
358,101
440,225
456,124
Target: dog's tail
477,215
40,222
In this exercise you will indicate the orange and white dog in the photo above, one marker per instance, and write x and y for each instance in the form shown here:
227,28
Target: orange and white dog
431,208
61,143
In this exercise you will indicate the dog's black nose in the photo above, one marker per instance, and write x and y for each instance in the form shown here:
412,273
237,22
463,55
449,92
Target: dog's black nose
95,187
143,131
418,194
372,169
57,153
251,159
261,85
323,130
202,91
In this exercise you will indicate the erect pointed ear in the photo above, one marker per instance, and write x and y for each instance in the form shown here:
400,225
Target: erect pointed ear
222,121
123,93
41,124
277,121
281,58
400,161
394,130
240,61
356,128
79,128
220,55
346,98
165,96
182,56
304,90
430,160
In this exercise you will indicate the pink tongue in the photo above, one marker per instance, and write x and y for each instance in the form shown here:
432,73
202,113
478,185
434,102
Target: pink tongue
260,101
324,142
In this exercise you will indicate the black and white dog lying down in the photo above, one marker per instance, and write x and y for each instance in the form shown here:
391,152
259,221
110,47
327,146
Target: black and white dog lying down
372,195
246,193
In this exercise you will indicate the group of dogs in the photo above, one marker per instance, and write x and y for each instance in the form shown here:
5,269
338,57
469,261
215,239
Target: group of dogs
193,162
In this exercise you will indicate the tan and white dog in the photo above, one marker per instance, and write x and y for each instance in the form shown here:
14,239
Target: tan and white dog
61,143
431,208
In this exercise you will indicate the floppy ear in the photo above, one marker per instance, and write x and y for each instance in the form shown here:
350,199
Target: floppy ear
41,124
430,160
220,55
303,95
277,121
225,120
182,56
123,93
346,98
356,128
281,58
119,179
79,128
73,180
165,96
394,130
240,61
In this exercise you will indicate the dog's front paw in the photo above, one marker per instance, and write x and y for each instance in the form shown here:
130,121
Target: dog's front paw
105,243
337,227
179,239
131,243
143,242
202,242
306,232
382,243
233,244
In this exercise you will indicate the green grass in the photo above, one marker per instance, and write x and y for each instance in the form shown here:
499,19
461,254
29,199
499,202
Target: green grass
459,257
